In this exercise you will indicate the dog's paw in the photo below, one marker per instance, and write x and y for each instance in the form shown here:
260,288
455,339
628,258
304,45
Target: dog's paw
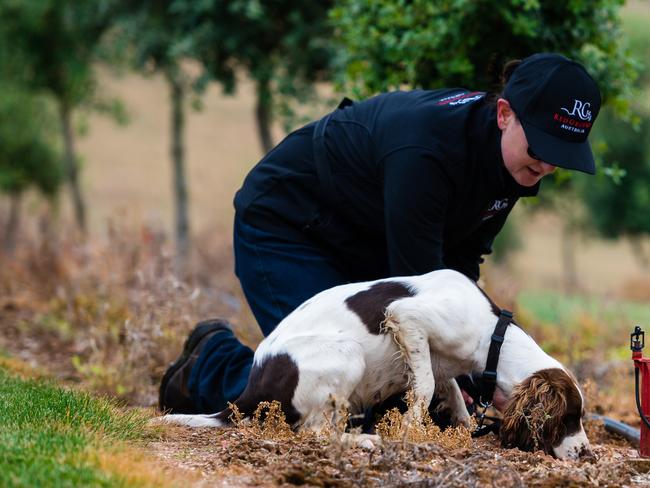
368,442
456,411
463,419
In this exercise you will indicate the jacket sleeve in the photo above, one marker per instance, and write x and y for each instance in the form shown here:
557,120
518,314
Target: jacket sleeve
467,257
417,189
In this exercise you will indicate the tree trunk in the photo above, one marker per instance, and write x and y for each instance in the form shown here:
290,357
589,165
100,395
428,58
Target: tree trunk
569,259
9,238
639,253
182,224
71,167
263,115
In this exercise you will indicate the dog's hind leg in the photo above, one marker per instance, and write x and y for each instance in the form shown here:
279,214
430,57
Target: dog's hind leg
414,347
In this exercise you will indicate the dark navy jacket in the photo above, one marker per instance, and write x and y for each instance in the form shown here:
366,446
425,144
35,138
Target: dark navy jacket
418,184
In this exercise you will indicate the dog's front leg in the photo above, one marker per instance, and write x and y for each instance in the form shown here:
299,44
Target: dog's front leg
452,400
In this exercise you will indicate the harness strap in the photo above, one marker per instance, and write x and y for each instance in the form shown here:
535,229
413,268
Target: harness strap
489,377
323,169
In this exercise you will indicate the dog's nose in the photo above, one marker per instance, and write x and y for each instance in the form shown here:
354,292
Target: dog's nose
586,454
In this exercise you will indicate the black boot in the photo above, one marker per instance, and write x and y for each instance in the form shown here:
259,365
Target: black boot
174,394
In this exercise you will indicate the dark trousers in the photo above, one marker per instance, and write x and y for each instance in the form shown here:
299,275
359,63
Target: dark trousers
277,274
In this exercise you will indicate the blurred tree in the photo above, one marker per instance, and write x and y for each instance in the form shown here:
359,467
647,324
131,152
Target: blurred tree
28,157
506,242
431,44
52,45
163,37
620,209
283,45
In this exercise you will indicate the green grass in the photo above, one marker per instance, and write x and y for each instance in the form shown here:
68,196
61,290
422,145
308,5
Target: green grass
577,328
49,436
554,308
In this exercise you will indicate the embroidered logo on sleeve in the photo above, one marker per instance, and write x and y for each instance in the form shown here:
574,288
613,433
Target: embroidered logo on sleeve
494,208
460,98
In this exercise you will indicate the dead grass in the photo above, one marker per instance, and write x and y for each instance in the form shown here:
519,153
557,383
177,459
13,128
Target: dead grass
135,467
395,426
111,314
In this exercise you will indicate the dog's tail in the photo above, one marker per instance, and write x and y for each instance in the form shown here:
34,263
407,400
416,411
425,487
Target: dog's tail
220,419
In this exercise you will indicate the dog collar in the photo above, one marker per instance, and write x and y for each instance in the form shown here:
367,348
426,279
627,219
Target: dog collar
489,377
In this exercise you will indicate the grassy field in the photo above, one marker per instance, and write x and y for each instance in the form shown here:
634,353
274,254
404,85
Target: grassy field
556,309
55,437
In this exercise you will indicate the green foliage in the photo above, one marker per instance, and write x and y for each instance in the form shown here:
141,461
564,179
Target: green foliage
637,35
283,45
27,154
52,45
159,35
284,40
617,200
46,433
431,44
621,207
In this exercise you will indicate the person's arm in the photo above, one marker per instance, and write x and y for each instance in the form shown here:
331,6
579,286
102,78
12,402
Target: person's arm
417,189
468,256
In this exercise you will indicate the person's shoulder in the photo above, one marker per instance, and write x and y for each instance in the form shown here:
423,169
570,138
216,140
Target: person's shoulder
410,102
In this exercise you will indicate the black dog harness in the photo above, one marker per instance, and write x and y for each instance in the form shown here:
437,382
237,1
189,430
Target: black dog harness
488,380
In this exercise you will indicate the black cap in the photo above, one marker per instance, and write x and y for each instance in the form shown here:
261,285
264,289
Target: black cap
556,102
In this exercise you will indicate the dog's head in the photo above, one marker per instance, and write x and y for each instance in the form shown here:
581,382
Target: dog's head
545,412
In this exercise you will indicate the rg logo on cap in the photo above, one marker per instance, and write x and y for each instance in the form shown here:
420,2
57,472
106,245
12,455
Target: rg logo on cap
580,109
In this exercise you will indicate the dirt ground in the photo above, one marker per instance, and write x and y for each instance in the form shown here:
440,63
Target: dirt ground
236,458
246,456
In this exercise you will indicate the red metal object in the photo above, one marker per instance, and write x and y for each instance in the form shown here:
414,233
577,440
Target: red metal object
642,369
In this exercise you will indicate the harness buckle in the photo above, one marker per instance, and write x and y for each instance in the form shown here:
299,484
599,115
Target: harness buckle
484,404
498,338
482,429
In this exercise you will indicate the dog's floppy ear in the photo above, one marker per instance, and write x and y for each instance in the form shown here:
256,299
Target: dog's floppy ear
534,418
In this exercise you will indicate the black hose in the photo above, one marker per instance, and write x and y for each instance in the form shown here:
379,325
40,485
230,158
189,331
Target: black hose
636,396
626,431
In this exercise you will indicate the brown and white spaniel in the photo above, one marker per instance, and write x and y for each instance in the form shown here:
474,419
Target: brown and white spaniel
364,342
